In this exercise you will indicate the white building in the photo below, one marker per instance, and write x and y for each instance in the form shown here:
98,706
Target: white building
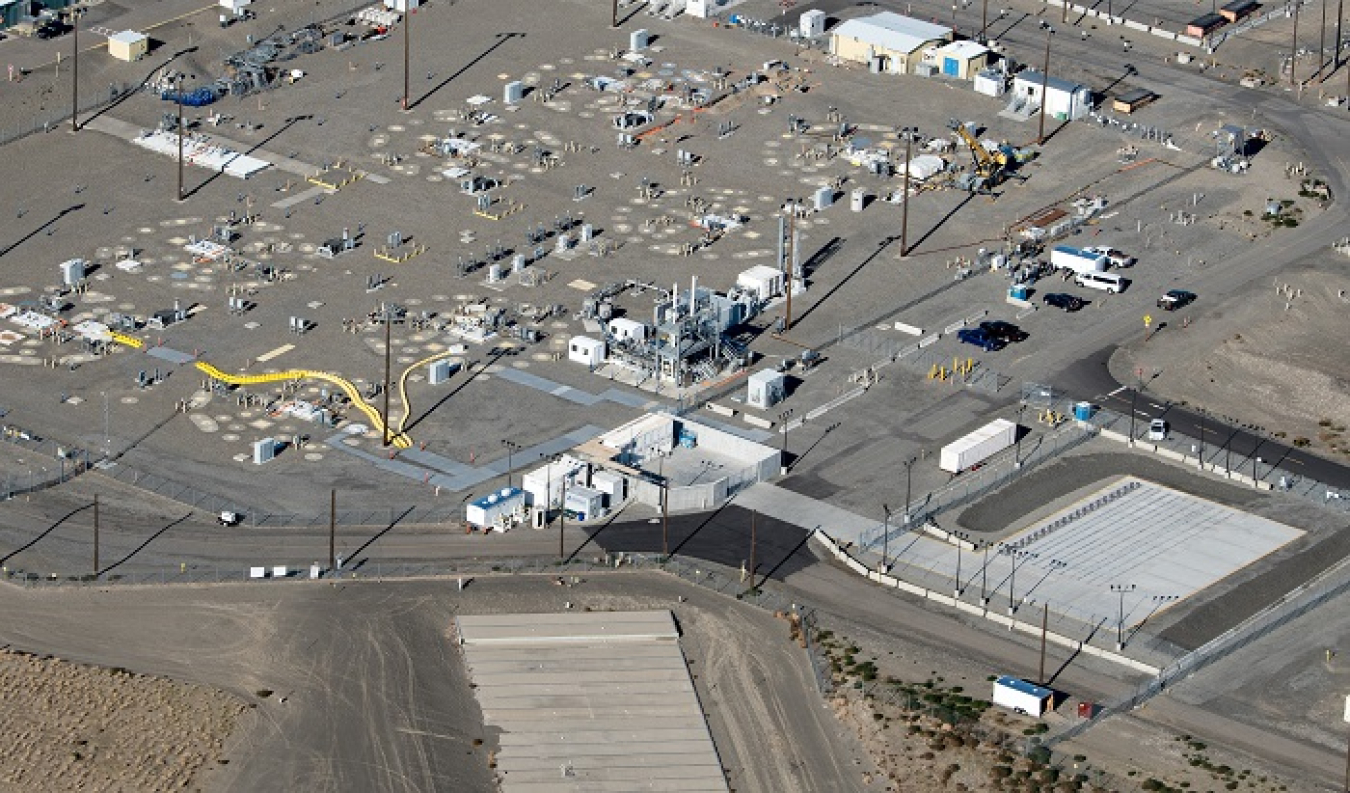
544,486
1064,99
585,350
763,281
962,59
624,329
497,511
764,389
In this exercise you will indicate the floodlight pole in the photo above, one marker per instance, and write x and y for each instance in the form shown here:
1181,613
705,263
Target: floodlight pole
96,535
387,323
665,508
562,521
1293,50
178,94
885,535
74,73
753,515
1321,44
908,134
332,530
1045,621
1045,82
407,23
614,14
1121,589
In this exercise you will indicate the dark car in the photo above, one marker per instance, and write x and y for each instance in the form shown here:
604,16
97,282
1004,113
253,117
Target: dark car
1065,301
1005,332
980,338
1175,299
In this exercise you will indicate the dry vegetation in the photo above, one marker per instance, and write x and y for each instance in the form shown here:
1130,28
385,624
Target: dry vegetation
73,727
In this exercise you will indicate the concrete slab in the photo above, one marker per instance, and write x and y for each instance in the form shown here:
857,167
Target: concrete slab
590,701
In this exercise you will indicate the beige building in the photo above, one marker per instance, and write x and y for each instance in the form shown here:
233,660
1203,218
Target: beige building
887,42
962,59
128,45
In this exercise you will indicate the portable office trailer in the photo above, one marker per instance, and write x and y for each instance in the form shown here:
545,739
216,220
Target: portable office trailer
979,445
584,349
812,23
1020,696
497,510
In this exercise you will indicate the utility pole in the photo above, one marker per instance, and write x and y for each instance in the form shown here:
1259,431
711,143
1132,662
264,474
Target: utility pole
1045,621
1121,589
1321,44
562,521
984,21
908,133
388,322
753,515
1293,52
1336,58
1045,82
909,480
74,72
789,253
885,536
614,14
96,535
332,530
407,34
665,508
178,94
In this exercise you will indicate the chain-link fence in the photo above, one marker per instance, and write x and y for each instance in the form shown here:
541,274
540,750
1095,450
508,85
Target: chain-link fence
17,129
57,463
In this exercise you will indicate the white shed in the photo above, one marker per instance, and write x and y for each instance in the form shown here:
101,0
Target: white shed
1064,99
812,23
586,350
625,329
762,280
990,82
764,389
584,503
612,484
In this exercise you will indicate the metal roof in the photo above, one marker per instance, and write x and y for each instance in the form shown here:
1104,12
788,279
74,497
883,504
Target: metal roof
1023,687
892,31
964,49
1054,83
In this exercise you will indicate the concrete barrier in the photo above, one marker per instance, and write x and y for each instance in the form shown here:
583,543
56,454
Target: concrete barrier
720,409
946,600
955,326
1130,23
1189,40
909,329
756,421
929,340
1019,302
1112,435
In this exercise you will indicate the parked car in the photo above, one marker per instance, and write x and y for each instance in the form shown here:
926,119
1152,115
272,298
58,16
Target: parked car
1175,299
1062,300
1005,332
1157,430
1117,258
980,338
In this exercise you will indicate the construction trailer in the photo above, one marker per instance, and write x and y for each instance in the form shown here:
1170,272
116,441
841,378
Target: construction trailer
1020,696
497,511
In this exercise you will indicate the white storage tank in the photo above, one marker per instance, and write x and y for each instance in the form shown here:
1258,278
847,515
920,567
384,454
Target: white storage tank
812,23
513,92
264,450
638,40
439,371
764,389
979,445
824,197
585,350
857,199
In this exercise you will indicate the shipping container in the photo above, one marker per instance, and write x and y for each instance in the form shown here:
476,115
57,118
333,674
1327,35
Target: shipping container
964,452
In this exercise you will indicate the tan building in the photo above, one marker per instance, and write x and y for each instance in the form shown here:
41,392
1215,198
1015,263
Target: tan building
887,42
128,45
962,59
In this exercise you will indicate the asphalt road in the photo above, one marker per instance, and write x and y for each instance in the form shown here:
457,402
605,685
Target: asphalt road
1222,442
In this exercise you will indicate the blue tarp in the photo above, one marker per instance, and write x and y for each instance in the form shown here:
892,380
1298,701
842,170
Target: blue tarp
197,97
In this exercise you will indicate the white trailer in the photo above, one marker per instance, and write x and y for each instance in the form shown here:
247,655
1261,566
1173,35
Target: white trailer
1077,260
1020,696
964,452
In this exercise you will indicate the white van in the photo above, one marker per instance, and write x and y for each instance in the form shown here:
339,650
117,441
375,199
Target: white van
1107,282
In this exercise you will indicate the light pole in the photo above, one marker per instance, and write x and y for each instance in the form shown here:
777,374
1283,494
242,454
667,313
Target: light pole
1201,411
1121,589
1045,79
909,464
407,34
960,541
388,324
665,506
1017,443
614,14
1015,554
783,420
885,535
984,578
178,95
908,134
511,447
75,71
984,21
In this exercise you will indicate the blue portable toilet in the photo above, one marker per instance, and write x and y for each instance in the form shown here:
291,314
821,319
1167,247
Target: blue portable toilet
1083,410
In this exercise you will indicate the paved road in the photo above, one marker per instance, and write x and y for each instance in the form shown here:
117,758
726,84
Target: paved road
1222,442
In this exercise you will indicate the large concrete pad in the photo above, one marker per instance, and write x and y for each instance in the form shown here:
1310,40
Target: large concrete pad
590,702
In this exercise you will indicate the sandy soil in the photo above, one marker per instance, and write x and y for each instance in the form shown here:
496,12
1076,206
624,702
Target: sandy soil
1267,360
75,727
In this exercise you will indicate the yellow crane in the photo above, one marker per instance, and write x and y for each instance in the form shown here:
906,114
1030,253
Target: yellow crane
991,168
